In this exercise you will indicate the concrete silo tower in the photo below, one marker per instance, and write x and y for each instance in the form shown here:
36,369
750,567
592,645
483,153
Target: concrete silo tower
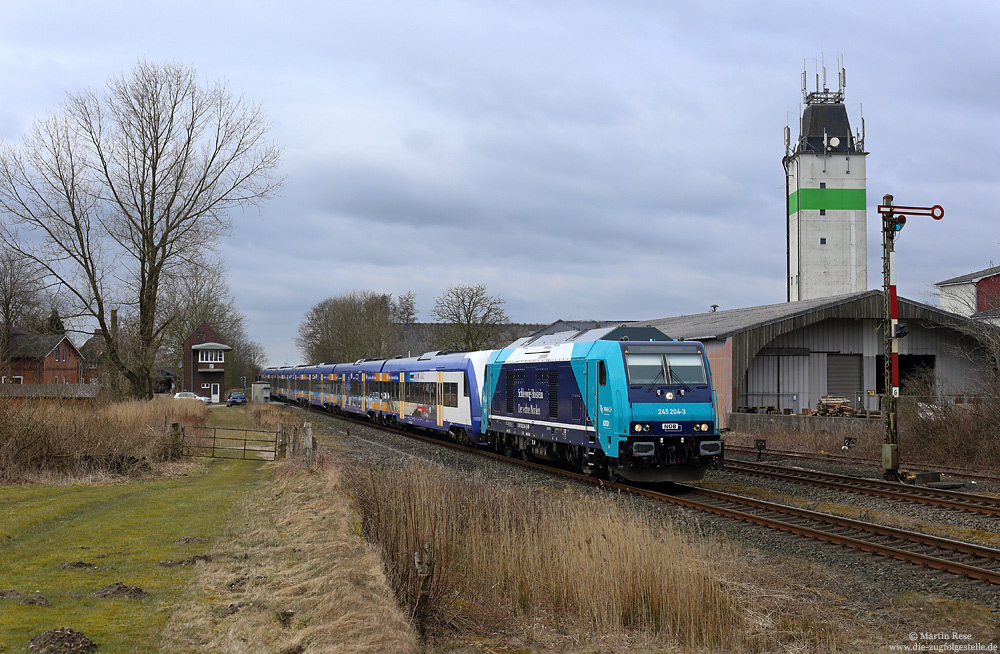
825,178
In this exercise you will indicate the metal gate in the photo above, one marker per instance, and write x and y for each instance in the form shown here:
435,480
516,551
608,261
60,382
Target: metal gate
229,443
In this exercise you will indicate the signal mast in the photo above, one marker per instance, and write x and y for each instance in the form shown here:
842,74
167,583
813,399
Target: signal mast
892,329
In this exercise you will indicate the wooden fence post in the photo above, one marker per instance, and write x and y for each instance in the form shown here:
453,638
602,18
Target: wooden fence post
282,444
307,442
176,441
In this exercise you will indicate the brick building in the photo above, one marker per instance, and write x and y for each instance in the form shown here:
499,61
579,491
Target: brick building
93,358
204,363
43,359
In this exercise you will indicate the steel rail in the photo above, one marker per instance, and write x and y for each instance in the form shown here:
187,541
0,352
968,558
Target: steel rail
857,460
950,499
936,563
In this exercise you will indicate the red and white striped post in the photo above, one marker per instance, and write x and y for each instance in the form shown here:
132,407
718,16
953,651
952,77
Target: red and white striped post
893,219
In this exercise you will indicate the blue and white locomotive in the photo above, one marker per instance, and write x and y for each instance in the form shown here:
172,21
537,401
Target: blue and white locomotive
626,401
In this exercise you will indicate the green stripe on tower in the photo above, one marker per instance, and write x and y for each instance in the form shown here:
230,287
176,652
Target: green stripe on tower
831,199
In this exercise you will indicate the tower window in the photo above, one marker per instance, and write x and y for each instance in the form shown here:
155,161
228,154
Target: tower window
822,184
822,212
822,241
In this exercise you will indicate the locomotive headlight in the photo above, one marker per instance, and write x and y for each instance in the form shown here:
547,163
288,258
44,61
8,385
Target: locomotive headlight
638,427
669,395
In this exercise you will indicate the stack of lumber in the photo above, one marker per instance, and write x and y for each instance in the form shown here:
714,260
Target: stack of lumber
832,405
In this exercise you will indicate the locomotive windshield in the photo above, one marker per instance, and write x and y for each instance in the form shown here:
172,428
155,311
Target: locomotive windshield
672,368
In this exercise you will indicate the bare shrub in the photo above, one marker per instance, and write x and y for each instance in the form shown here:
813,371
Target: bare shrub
941,427
500,550
69,438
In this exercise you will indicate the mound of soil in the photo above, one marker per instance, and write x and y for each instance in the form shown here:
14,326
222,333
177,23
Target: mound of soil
37,600
10,594
188,561
61,641
187,540
118,589
78,565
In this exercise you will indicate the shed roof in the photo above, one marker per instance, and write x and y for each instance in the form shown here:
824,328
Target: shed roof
722,324
971,277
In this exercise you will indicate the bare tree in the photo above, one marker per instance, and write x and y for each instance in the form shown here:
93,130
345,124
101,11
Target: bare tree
406,308
470,318
201,295
116,192
358,325
21,299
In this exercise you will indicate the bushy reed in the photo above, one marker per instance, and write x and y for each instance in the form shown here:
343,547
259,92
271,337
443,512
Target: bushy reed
69,438
501,551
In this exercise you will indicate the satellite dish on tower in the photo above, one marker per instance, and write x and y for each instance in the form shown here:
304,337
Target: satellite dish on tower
834,142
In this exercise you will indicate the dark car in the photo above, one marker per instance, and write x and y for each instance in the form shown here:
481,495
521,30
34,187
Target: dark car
237,397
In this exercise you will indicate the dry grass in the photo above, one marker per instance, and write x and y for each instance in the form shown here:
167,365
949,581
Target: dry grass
931,432
506,555
291,575
46,440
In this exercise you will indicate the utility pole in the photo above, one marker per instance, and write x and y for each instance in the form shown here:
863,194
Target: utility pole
892,330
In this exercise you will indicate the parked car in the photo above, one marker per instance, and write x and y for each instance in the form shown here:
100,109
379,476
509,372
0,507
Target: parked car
188,395
236,397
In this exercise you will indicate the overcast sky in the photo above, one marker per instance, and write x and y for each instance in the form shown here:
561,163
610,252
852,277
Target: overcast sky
584,160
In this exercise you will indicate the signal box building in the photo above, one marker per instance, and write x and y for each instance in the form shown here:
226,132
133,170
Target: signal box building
204,363
782,358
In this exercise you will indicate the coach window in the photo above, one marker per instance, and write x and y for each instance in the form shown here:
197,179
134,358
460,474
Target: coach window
451,394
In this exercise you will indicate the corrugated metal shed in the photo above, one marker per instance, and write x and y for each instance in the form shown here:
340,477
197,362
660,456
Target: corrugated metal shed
747,331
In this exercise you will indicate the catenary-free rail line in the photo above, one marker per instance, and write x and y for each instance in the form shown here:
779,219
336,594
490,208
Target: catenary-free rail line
956,557
857,461
950,499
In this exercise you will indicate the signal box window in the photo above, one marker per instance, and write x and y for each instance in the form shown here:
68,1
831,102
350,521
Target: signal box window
210,356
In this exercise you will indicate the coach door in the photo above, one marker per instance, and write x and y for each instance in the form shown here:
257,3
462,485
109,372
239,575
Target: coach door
439,386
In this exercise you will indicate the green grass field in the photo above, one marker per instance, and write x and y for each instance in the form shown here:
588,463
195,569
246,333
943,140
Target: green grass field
124,529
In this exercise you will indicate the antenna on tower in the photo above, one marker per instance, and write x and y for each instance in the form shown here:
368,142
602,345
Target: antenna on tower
788,140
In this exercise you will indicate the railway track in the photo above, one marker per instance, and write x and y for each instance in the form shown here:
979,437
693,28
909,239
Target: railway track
950,499
952,556
857,461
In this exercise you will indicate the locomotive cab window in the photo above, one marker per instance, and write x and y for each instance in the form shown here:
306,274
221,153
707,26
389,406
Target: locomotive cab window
686,369
665,368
